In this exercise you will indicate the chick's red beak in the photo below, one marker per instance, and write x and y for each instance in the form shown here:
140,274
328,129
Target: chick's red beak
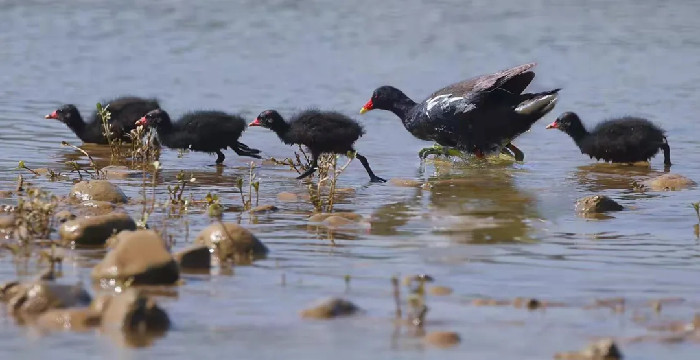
255,122
554,125
141,121
368,106
53,115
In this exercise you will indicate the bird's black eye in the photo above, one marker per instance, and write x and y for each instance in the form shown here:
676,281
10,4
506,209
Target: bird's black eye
59,111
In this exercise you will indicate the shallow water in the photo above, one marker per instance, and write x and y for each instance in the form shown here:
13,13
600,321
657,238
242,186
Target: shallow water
499,230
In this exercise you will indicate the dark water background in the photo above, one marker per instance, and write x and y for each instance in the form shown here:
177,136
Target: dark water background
509,231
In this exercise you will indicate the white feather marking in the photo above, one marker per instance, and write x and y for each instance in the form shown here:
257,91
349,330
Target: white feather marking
446,101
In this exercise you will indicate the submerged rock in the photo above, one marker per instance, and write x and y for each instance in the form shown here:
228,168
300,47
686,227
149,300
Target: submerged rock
100,190
139,256
330,308
79,319
443,339
439,290
94,230
320,217
287,197
668,182
132,311
95,207
197,257
31,299
604,349
118,172
405,182
263,209
231,240
597,204
7,221
63,216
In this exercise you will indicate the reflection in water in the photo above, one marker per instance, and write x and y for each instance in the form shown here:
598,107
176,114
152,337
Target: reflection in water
606,176
474,203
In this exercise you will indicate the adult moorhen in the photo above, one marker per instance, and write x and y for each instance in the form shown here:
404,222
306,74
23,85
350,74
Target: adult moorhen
124,111
320,131
481,115
205,131
623,140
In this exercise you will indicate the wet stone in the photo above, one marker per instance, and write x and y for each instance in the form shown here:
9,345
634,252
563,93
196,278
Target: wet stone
134,312
139,256
287,197
94,207
668,182
405,182
320,217
63,216
94,230
7,221
604,349
596,204
231,241
442,339
118,172
197,257
438,290
80,319
263,209
330,308
32,299
100,190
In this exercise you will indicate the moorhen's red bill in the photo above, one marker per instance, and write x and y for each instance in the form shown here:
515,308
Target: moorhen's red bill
481,115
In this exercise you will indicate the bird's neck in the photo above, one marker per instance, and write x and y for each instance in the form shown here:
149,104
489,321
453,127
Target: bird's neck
577,132
403,107
281,128
77,125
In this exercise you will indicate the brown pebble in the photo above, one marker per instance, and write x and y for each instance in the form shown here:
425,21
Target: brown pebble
263,209
287,197
438,290
330,308
669,182
197,257
405,182
597,204
442,339
100,190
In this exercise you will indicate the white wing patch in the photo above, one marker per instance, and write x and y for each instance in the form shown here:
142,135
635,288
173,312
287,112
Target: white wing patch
445,102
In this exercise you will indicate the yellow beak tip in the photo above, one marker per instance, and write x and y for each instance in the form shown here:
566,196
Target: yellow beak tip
363,110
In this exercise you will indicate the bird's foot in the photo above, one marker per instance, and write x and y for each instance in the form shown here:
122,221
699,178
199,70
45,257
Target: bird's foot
377,179
438,150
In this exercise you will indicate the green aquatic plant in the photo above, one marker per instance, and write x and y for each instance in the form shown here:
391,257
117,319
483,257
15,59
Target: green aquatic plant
96,173
144,146
34,214
322,184
114,144
253,184
696,206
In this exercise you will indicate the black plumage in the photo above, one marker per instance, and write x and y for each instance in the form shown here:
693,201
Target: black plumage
205,131
623,140
124,112
479,116
320,131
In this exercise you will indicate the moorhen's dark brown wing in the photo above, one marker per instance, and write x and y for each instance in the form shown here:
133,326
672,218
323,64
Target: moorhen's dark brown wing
515,80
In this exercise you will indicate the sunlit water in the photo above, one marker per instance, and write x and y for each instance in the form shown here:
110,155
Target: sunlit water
500,230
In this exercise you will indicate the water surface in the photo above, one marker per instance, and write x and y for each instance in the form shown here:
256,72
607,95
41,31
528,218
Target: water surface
499,230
